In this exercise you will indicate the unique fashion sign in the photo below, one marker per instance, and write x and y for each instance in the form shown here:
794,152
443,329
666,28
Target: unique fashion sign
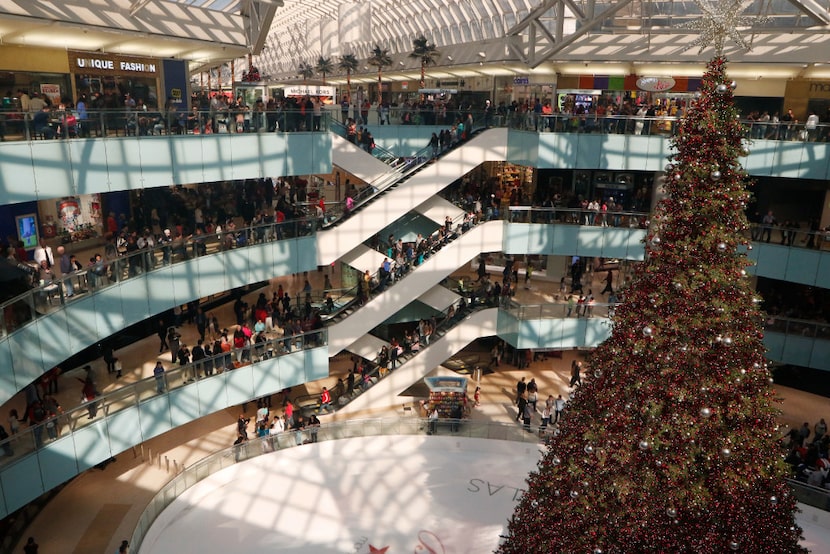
98,63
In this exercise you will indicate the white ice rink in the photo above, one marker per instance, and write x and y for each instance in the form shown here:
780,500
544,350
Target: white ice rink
372,495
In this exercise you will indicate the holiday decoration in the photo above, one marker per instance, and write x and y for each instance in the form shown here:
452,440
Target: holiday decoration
681,418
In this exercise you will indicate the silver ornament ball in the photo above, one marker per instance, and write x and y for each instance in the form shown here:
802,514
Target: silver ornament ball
644,445
733,545
722,246
588,449
671,512
773,499
726,452
716,175
556,460
727,341
574,495
705,412
721,89
647,331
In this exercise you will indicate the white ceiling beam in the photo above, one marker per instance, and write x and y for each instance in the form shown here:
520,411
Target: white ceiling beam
813,9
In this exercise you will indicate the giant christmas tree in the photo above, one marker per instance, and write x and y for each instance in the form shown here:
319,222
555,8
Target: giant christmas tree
670,446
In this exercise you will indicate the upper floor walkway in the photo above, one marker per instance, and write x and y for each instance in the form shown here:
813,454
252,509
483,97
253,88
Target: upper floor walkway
44,325
44,169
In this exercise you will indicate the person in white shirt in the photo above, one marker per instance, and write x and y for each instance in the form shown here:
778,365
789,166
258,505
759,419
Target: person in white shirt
43,252
811,127
559,405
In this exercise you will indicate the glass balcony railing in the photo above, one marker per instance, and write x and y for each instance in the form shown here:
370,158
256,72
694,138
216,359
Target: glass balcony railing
53,425
658,125
253,448
52,293
68,123
798,327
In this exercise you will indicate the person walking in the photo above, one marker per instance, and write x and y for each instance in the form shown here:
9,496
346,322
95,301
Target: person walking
558,406
576,369
158,373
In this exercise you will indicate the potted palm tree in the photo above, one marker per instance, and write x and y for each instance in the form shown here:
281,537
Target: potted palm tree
348,63
324,67
424,52
305,70
380,58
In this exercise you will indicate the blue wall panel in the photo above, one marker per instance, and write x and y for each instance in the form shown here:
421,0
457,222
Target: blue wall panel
122,427
26,355
820,355
52,169
797,350
17,175
58,462
154,416
772,260
211,271
52,165
240,385
109,311
761,159
123,165
212,394
54,332
90,170
184,405
135,299
21,482
159,284
156,161
775,343
802,265
267,378
8,382
91,444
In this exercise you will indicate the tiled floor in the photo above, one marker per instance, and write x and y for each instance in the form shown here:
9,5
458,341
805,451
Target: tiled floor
101,507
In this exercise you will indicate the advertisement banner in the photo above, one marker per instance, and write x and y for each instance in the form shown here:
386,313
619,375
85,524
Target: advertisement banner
175,82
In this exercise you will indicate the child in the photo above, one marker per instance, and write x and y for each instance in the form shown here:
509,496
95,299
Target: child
477,396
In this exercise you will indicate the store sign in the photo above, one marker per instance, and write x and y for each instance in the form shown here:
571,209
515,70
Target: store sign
308,90
655,84
96,63
521,80
438,91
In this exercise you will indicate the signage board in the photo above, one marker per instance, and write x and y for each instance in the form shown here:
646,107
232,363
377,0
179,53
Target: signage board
655,84
308,90
99,63
437,91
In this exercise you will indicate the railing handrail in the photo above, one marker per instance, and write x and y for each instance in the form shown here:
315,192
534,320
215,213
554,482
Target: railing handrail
186,248
274,346
69,122
199,470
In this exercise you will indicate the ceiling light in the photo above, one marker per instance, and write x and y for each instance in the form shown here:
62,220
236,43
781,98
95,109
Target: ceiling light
482,55
449,58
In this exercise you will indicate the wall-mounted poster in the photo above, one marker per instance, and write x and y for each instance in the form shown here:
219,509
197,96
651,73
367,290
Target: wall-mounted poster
51,91
27,230
69,213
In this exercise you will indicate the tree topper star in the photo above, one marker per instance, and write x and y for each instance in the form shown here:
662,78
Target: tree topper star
721,21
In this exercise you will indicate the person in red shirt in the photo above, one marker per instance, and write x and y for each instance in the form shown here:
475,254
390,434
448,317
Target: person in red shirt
289,413
325,400
112,224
